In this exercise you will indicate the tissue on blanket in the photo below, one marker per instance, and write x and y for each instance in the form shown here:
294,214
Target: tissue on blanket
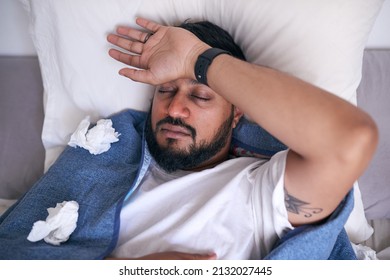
59,224
364,252
96,140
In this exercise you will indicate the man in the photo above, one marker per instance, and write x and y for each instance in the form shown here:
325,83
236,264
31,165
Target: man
193,113
180,195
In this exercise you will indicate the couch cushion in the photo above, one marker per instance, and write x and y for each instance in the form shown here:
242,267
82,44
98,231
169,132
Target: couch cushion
373,96
21,118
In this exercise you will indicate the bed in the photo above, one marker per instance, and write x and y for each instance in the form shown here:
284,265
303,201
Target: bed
43,97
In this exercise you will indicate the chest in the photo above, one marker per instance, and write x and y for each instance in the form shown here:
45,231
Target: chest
197,212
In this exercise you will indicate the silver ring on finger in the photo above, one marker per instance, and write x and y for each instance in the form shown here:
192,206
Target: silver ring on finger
147,37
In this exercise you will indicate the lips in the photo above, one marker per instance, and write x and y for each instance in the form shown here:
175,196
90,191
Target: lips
174,131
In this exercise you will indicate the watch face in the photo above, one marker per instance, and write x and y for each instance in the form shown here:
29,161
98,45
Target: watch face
204,61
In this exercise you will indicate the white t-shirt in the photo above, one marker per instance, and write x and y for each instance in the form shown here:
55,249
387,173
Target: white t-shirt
235,209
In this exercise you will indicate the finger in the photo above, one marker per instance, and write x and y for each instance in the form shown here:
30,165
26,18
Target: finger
132,60
189,256
138,75
132,33
135,47
148,24
211,256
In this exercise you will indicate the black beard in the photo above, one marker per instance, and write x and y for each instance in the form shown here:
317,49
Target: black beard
171,160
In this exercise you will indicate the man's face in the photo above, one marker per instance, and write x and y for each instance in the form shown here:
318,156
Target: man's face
190,125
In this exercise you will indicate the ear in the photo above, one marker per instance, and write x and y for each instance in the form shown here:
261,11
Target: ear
237,116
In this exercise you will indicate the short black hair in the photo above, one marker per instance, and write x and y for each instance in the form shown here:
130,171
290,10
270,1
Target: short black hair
214,36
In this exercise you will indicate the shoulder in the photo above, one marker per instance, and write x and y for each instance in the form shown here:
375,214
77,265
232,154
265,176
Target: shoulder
130,116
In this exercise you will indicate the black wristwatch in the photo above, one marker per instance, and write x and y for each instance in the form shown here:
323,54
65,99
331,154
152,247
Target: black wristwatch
204,61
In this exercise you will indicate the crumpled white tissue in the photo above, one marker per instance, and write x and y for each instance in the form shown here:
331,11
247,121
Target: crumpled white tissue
59,224
364,252
96,140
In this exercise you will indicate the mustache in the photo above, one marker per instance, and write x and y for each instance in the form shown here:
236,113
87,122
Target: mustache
178,122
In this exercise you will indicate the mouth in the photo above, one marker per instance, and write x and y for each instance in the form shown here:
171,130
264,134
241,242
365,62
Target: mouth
175,131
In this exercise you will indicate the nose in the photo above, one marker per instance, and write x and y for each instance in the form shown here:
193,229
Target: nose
178,108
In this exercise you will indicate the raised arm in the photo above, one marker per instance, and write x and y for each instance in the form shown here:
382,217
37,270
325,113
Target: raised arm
331,141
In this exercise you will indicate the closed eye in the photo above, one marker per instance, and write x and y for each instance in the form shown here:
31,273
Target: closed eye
163,90
200,98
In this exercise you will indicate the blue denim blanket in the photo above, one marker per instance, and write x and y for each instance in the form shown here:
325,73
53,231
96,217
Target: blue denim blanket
325,241
100,183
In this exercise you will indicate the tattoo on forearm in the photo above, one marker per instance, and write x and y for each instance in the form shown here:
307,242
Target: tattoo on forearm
297,206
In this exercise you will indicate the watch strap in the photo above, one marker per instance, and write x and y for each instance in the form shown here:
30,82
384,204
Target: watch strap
204,61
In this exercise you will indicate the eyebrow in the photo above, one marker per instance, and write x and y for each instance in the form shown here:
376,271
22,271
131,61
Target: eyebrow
165,84
195,83
192,83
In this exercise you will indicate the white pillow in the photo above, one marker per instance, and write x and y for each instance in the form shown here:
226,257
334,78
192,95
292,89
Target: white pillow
357,227
319,41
